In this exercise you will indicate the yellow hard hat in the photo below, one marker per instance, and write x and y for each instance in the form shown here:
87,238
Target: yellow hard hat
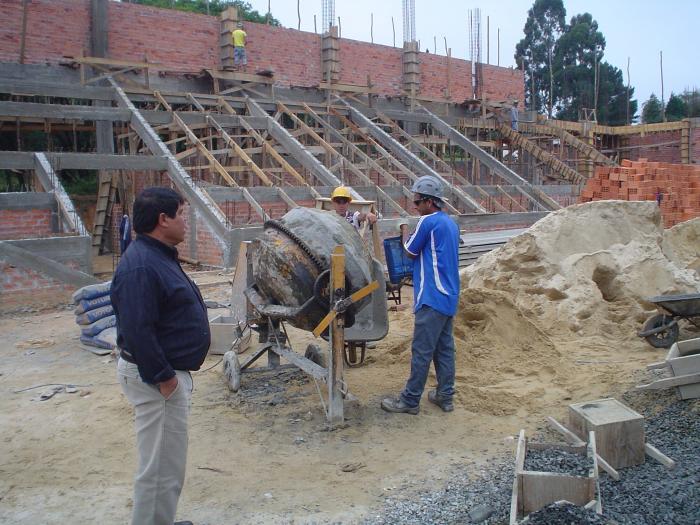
341,191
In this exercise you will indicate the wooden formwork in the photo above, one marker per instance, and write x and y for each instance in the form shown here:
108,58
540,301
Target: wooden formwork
534,490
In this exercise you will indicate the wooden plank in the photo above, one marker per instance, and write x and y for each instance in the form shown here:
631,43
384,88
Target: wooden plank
569,436
539,489
349,88
659,456
516,496
92,61
240,77
337,332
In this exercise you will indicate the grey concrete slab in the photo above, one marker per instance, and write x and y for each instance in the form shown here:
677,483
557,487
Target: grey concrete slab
27,201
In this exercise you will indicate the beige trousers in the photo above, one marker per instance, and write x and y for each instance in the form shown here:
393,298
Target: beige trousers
161,438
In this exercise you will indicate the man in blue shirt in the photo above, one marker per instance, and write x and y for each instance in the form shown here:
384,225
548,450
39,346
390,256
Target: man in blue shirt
163,333
433,247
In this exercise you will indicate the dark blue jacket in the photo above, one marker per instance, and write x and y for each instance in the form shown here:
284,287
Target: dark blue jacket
161,316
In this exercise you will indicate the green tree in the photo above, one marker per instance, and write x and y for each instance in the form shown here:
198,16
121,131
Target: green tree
652,110
545,22
676,108
213,7
584,80
692,101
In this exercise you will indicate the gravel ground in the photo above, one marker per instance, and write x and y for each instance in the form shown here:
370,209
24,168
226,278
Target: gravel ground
648,494
559,461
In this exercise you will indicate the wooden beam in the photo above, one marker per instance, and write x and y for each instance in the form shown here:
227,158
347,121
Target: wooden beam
240,77
212,160
270,149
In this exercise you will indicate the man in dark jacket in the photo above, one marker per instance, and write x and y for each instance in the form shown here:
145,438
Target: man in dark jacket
163,333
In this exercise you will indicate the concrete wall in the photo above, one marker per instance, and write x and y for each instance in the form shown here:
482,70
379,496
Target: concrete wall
190,42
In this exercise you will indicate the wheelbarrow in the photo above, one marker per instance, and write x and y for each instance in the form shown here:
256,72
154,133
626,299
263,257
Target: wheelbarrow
661,330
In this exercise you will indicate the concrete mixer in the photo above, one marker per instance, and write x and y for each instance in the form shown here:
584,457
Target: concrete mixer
289,279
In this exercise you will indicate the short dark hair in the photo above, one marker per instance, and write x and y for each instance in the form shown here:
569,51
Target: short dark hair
150,203
437,202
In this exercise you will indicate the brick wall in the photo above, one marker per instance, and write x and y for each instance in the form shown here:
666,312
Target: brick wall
189,42
23,287
54,28
695,145
642,180
23,224
206,249
657,147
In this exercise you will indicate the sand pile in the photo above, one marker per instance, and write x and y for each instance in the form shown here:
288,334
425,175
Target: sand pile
682,244
587,269
504,362
552,316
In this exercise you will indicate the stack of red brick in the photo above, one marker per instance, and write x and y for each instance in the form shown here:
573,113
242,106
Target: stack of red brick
678,185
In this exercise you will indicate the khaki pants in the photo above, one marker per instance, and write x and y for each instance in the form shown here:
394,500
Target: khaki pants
161,436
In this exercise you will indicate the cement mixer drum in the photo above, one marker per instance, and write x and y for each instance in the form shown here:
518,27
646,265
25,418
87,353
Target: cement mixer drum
290,264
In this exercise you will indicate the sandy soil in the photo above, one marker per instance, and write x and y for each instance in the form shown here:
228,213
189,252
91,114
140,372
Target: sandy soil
264,455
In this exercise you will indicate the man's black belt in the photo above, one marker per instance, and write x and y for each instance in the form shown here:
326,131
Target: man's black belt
126,356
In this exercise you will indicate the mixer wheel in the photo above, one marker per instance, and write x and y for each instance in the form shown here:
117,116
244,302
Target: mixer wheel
316,354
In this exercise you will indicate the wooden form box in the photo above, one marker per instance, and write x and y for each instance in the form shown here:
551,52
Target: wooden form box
683,359
533,490
619,430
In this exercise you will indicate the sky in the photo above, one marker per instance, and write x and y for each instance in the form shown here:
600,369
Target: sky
637,30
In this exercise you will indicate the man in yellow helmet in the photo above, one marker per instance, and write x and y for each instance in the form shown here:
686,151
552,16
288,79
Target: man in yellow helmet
341,198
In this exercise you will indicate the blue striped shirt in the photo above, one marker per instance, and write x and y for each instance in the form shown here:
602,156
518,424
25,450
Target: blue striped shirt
436,265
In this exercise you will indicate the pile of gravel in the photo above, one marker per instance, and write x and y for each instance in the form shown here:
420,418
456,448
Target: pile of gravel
647,494
558,461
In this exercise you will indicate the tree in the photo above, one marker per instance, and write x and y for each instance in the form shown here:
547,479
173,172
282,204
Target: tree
213,7
535,52
652,110
578,54
692,100
584,80
676,108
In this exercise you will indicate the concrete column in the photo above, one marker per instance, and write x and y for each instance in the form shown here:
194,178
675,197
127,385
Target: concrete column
411,69
330,56
229,19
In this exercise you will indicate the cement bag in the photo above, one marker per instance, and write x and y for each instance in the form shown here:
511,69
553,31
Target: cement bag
92,291
98,326
91,316
106,339
85,305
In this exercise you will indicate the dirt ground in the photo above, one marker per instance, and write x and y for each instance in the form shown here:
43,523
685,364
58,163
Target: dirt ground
264,455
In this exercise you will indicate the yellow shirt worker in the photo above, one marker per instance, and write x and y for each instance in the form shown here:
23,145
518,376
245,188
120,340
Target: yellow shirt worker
239,40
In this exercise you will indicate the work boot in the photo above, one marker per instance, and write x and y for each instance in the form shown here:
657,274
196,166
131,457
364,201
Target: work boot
444,403
397,405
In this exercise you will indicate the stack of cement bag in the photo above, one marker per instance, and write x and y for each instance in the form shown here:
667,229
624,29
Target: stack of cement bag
95,316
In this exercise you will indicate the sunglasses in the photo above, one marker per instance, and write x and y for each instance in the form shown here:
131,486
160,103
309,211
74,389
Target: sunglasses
418,201
341,200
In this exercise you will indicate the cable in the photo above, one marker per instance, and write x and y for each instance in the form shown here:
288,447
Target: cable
64,385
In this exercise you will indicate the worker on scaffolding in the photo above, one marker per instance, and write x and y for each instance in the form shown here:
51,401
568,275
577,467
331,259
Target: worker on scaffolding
240,39
514,116
341,198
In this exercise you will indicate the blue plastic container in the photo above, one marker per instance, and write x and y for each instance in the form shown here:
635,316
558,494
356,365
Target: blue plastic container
397,262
